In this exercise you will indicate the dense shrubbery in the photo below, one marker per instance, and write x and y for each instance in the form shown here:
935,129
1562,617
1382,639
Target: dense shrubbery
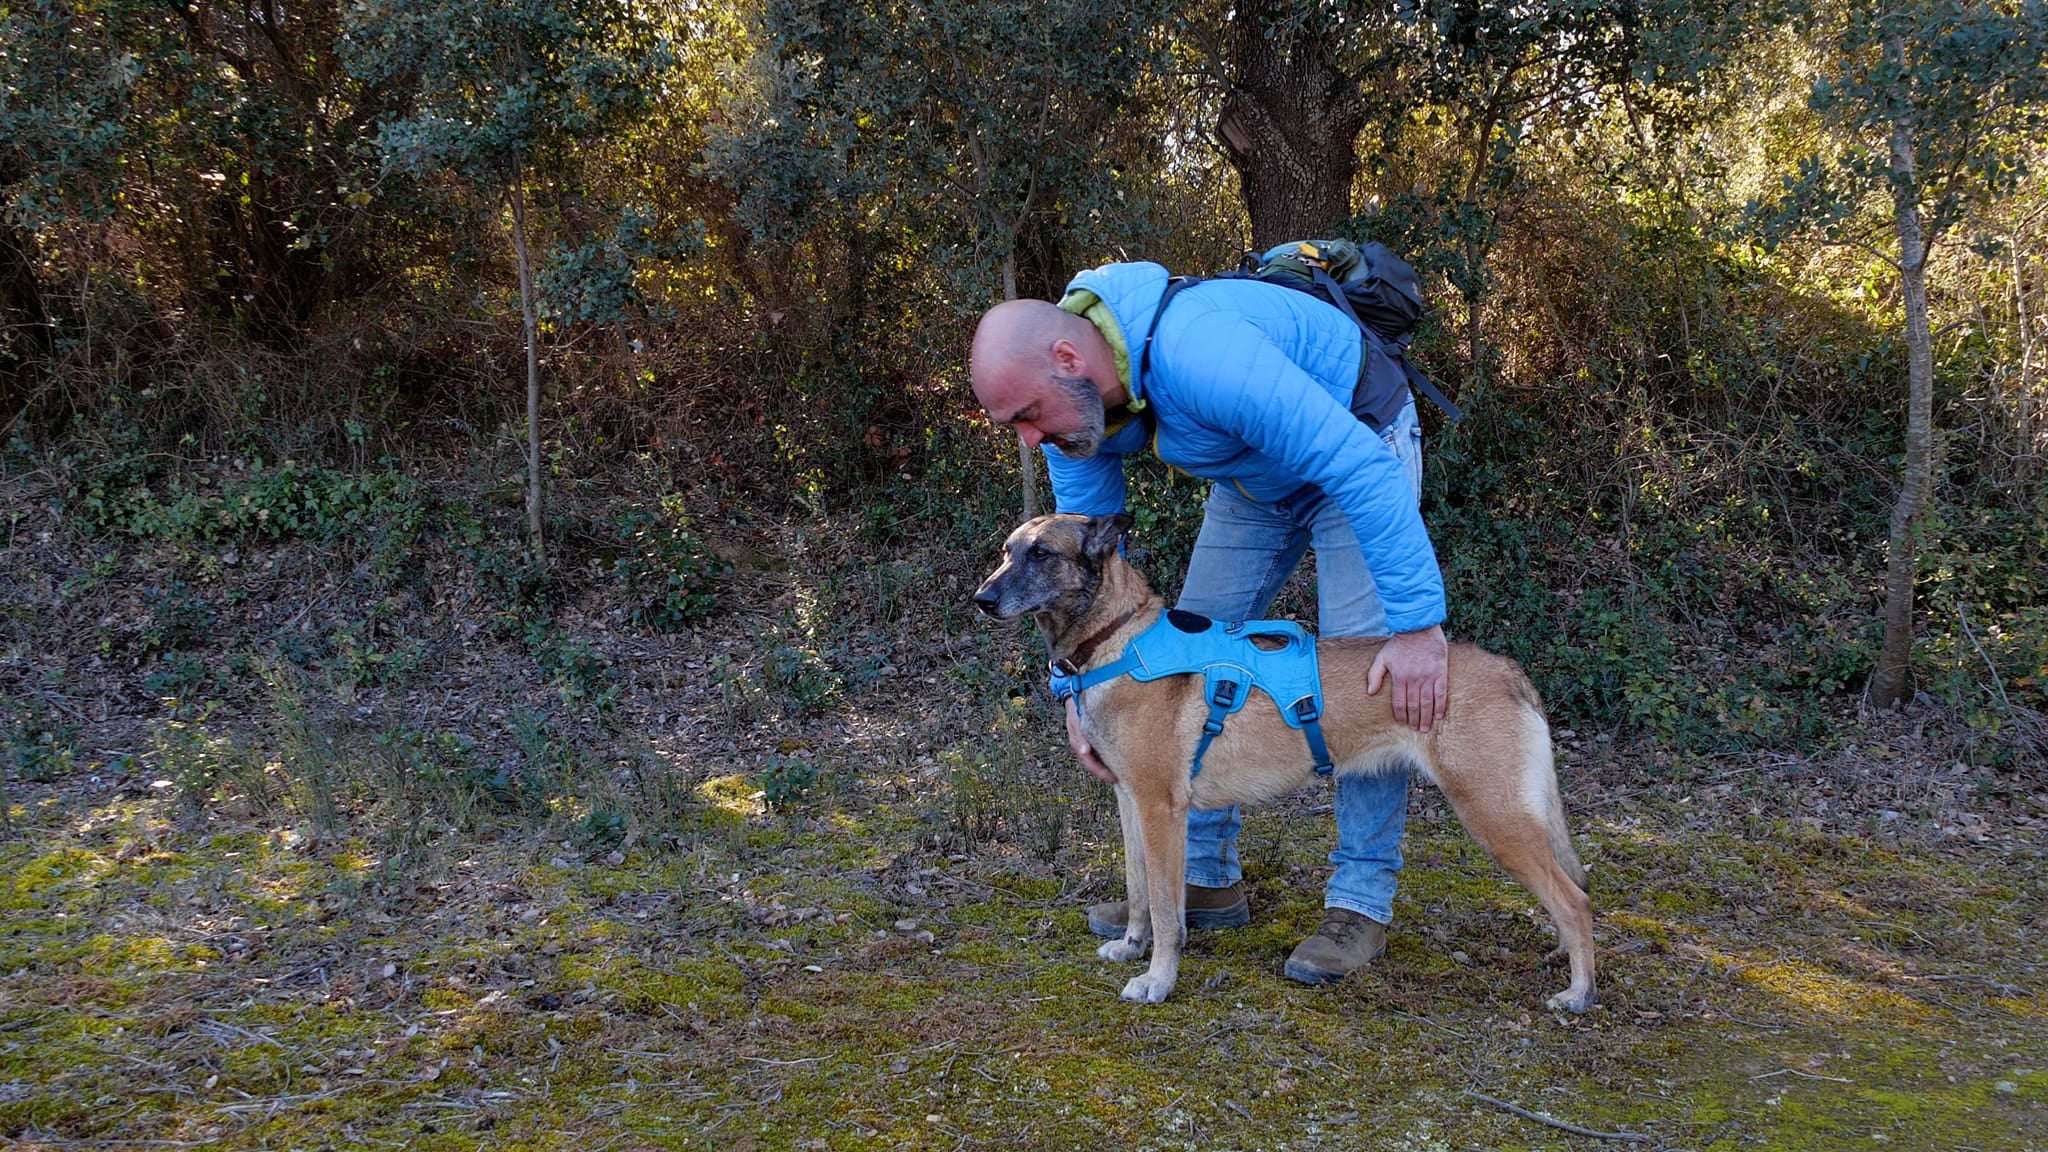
1669,499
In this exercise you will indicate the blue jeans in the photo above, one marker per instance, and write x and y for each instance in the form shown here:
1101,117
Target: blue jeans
1243,557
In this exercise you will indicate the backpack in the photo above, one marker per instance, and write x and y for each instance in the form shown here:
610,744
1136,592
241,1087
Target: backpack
1378,290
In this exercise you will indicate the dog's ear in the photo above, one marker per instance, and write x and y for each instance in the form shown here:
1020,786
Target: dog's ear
1104,534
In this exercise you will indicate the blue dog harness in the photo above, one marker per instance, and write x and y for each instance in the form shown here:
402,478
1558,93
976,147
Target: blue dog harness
1180,643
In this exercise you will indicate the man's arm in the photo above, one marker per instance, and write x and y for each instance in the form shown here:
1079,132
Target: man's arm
1092,487
1261,396
1237,381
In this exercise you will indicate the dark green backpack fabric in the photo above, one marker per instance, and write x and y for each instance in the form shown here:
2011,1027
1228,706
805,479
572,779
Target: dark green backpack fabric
1383,291
1378,290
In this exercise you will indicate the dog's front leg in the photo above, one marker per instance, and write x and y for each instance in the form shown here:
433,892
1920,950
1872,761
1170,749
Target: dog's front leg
1137,903
1163,829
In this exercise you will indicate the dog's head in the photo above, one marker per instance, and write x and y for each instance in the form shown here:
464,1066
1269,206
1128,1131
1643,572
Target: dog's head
1052,565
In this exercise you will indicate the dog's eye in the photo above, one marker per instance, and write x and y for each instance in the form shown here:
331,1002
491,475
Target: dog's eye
1038,552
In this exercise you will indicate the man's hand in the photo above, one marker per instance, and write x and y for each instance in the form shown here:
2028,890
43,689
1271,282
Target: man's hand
1419,663
1083,749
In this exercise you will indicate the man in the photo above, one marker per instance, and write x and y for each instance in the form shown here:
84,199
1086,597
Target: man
1252,386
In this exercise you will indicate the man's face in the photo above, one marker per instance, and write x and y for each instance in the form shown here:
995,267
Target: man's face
1065,410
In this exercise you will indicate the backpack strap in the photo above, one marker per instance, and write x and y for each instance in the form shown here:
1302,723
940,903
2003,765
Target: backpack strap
1428,389
1173,288
1399,356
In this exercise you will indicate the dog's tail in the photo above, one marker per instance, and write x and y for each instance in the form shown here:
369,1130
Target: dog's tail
1540,777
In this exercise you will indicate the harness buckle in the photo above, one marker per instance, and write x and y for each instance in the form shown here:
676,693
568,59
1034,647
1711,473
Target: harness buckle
1224,695
1305,710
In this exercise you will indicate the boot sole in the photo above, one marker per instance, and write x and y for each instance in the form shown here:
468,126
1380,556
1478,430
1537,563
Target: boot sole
1235,916
1311,975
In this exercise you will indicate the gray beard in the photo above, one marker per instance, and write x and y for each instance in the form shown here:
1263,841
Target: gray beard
1086,441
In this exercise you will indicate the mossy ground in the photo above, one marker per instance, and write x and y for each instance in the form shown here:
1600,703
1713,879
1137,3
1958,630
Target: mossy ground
495,899
762,984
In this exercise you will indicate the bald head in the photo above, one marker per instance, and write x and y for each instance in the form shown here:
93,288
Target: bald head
1046,373
1020,334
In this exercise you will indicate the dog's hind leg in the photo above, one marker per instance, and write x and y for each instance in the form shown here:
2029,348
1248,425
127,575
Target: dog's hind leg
1137,897
1518,818
1163,831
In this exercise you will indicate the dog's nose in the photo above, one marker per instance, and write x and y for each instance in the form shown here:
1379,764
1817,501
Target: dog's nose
987,601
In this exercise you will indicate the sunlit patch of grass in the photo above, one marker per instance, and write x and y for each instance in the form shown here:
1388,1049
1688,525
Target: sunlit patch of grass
1815,990
735,794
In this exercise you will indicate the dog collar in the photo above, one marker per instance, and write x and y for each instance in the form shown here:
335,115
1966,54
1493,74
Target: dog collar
1073,662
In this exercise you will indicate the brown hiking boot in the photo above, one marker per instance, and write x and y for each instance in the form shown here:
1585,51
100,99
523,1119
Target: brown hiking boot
1207,908
1343,941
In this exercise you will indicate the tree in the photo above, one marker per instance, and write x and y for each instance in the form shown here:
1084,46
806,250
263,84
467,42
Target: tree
1305,80
226,136
501,92
1936,103
1290,119
61,133
993,122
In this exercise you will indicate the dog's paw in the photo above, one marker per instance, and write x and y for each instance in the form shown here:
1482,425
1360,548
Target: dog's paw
1128,948
1148,989
1565,1001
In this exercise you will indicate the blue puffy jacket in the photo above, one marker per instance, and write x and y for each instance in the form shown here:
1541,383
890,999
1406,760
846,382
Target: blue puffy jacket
1251,384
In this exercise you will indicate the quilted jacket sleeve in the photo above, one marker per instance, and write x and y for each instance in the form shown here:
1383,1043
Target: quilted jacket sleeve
1232,378
1092,487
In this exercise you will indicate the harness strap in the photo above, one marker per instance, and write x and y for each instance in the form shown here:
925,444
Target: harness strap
1222,698
1305,710
1065,684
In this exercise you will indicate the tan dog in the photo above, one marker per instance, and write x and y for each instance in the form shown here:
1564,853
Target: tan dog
1490,755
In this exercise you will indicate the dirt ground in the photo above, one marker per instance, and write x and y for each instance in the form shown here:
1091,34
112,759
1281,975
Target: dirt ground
811,876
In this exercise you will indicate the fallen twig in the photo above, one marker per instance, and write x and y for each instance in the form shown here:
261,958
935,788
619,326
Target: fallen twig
1552,1121
1801,1075
1998,986
1433,1024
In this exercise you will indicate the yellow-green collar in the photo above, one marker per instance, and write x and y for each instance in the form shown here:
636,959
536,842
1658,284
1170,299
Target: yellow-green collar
1090,307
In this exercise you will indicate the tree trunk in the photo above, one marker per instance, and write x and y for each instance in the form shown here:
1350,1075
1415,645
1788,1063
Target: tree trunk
533,519
25,341
1290,123
1888,685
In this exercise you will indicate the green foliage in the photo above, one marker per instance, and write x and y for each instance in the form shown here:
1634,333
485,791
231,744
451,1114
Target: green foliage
196,759
423,785
357,658
583,675
523,86
665,568
179,616
861,105
786,782
515,78
253,501
1967,77
306,754
38,745
800,673
742,698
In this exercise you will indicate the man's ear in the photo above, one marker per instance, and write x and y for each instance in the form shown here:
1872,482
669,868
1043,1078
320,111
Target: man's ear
1066,358
1104,534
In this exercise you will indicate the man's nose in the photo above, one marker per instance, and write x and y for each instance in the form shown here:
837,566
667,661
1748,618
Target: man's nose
1032,436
